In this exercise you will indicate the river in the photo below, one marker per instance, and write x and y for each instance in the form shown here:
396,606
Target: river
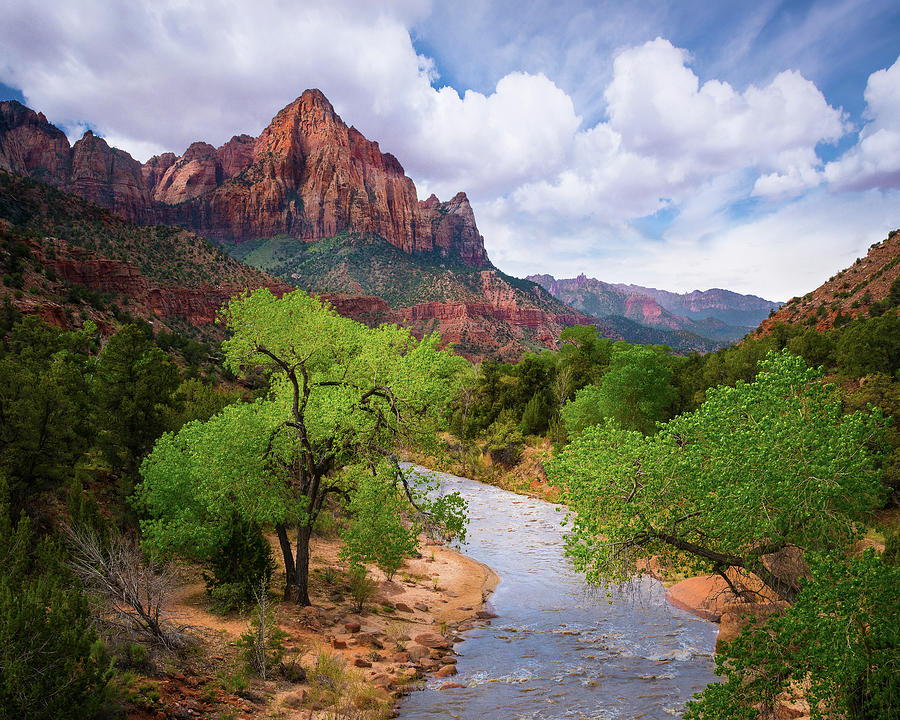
559,649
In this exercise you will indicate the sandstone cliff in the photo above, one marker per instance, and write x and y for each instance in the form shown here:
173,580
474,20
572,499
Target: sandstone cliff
308,176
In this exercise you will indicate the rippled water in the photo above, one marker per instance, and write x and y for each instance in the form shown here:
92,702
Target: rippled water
557,649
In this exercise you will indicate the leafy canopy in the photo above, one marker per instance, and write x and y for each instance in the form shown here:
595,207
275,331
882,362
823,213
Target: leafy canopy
757,468
342,396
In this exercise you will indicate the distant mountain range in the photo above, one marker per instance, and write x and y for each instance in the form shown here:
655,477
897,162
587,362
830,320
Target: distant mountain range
699,320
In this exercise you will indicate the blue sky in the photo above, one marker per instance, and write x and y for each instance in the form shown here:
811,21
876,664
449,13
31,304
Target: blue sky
683,145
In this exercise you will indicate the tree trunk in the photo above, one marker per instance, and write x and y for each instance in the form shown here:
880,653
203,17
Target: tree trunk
304,532
290,574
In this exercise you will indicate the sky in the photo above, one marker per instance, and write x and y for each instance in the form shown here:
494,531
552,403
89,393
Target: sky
683,145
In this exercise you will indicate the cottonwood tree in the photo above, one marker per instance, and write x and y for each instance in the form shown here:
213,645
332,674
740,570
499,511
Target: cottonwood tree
758,468
343,397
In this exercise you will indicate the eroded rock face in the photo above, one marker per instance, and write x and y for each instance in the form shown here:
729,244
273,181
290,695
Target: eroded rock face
308,175
29,145
109,177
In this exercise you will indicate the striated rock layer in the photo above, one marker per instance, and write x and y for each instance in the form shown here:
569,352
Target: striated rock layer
308,175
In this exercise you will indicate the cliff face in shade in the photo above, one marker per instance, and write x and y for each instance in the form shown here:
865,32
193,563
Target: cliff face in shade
29,145
110,178
308,176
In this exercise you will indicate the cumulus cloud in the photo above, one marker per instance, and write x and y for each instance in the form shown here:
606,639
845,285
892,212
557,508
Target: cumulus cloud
874,162
155,75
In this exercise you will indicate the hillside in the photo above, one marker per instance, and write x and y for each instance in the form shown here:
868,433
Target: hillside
857,291
64,257
490,315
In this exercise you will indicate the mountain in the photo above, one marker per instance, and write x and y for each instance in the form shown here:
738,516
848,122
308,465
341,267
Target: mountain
308,175
344,218
63,256
651,316
861,289
724,305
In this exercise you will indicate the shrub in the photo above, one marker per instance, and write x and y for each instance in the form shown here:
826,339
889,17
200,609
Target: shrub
53,664
263,643
362,587
240,565
504,441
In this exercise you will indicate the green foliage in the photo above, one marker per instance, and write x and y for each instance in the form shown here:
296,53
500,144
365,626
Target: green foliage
195,399
54,666
342,395
536,415
840,641
263,643
756,468
135,382
377,532
362,587
636,392
871,346
583,411
503,441
241,564
45,399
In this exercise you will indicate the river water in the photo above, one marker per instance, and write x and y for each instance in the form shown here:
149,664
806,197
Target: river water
558,649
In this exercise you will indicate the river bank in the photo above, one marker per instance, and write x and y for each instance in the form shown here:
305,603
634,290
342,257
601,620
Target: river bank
368,659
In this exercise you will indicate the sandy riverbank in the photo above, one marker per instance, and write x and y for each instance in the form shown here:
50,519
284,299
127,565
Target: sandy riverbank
405,632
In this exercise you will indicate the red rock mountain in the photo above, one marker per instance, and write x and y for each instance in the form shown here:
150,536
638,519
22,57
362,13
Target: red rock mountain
308,175
700,320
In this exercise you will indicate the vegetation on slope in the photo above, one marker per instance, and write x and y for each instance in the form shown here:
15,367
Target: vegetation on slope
355,264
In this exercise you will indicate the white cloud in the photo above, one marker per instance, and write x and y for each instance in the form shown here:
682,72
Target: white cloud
776,253
874,162
549,190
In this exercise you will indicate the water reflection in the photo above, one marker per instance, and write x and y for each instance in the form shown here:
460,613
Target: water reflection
558,649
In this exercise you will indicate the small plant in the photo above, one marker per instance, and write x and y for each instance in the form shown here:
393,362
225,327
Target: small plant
263,643
362,587
329,575
344,693
234,681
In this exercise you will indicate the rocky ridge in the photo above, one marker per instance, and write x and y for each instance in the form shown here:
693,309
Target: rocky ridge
308,175
307,179
165,275
851,293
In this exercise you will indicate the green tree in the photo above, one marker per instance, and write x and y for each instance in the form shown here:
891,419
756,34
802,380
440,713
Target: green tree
757,468
636,392
134,384
44,406
871,346
840,641
342,396
52,666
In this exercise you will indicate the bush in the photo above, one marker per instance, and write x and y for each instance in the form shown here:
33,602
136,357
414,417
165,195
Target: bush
240,566
504,441
263,643
362,587
53,664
